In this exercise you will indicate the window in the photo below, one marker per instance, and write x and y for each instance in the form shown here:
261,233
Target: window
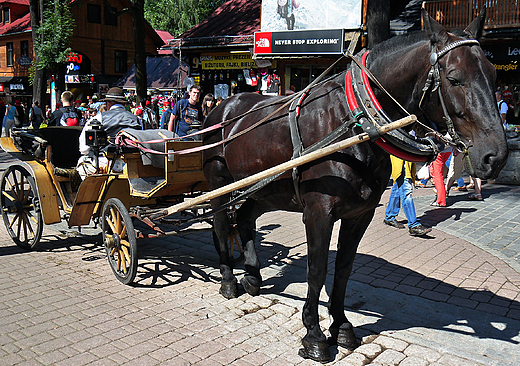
110,16
9,53
94,13
120,58
5,11
24,48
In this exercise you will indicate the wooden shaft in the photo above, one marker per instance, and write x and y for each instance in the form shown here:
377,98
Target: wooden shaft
304,159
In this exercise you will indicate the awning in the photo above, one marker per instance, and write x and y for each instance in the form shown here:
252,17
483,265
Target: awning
163,73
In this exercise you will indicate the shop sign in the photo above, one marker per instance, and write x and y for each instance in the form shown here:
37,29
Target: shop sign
77,64
502,52
507,67
312,42
226,61
75,79
25,61
16,87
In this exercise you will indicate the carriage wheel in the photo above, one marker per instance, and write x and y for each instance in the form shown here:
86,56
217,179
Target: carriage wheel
120,241
21,207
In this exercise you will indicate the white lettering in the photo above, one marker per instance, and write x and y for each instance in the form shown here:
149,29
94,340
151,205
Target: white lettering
513,52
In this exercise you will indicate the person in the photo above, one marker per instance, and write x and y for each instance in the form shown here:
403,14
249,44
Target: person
149,120
67,115
502,107
167,113
219,100
208,104
187,113
113,120
2,114
48,112
10,112
477,185
437,174
403,174
36,115
19,116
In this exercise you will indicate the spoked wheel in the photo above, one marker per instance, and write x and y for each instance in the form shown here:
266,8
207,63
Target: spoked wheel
120,241
20,207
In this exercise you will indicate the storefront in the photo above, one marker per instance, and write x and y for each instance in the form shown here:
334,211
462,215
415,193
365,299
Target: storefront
506,59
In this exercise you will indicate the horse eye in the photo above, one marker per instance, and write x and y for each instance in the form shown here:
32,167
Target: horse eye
454,82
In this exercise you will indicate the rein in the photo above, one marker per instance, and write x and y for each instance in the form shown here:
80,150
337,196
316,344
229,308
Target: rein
434,83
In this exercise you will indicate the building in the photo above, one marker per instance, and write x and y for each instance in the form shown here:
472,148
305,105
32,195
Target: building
103,47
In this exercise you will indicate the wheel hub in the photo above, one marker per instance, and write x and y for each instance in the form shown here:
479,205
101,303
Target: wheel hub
112,241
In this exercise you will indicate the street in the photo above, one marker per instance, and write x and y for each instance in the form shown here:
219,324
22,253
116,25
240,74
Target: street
452,298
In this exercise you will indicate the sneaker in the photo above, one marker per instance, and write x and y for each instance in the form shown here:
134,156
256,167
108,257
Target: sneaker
435,204
394,223
419,230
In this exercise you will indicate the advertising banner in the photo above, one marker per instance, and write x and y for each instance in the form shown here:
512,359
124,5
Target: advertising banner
226,61
280,15
317,42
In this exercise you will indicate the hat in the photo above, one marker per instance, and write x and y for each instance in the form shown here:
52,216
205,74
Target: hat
94,96
165,103
17,102
507,93
115,94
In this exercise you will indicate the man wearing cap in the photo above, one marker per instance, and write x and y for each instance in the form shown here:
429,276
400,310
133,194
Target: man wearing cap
113,120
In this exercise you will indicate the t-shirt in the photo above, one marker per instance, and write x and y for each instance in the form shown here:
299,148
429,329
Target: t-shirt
186,114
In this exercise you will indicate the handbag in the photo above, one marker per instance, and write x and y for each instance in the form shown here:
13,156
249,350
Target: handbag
423,173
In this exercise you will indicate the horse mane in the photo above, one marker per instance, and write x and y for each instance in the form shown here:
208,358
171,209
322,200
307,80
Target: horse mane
395,45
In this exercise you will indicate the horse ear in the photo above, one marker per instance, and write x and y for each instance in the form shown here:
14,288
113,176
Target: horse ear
477,25
434,31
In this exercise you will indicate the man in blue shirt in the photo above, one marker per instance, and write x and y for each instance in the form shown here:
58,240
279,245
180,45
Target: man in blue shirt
187,114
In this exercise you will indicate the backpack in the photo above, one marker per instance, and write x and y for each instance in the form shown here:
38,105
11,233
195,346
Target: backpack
69,117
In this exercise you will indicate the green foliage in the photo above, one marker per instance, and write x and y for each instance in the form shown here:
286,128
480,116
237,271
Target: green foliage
177,16
54,34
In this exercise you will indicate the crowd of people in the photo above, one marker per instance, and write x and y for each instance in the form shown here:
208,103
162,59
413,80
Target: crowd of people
157,111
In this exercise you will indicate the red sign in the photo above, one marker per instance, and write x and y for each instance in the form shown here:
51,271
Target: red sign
263,42
1,87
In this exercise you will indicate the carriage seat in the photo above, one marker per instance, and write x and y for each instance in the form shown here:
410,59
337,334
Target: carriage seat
149,158
64,141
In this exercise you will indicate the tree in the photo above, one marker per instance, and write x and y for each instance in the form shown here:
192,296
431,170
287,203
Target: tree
51,44
177,16
37,73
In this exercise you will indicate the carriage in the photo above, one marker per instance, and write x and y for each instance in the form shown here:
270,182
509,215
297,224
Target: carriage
43,187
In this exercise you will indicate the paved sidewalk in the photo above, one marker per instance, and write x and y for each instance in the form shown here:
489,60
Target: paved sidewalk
450,299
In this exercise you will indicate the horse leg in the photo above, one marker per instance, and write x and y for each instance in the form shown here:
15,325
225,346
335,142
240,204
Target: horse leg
246,218
228,284
350,234
318,227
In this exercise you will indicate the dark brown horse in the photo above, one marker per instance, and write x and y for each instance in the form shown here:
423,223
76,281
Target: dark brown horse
348,185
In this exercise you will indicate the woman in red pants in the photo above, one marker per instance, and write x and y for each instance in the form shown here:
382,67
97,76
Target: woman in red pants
438,177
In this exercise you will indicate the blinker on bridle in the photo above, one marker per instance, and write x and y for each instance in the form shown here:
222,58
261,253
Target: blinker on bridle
432,84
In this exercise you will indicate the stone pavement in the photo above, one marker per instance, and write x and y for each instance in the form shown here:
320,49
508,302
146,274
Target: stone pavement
450,299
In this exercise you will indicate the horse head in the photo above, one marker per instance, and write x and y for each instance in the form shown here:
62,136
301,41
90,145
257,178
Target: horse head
453,87
467,97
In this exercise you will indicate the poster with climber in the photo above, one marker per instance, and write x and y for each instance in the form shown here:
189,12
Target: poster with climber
282,15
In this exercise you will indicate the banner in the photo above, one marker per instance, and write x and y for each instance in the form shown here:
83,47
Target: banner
318,42
221,60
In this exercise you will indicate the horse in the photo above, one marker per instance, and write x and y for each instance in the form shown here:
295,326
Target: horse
347,185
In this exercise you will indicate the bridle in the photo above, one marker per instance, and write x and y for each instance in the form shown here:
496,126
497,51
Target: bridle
434,83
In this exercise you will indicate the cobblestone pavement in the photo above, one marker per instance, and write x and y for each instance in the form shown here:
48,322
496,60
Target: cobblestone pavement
452,298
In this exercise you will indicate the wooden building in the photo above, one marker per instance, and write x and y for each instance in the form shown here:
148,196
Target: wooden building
103,47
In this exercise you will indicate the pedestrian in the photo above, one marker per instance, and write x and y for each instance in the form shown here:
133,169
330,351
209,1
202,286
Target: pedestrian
403,174
208,104
167,112
10,112
187,114
477,185
438,166
36,116
67,115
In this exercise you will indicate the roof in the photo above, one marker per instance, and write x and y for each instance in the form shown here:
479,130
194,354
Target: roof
20,2
233,18
19,25
161,73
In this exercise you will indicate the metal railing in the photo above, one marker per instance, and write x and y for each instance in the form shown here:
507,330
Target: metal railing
459,13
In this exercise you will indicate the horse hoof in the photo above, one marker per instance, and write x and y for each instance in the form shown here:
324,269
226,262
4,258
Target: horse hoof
344,337
229,290
248,285
316,351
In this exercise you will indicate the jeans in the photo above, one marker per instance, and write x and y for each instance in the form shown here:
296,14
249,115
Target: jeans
402,194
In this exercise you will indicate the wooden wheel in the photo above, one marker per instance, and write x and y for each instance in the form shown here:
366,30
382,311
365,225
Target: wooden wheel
120,241
20,207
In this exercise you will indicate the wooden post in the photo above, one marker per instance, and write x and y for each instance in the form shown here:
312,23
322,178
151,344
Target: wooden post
354,140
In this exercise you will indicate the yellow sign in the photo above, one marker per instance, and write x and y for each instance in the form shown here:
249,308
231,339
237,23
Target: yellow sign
508,67
227,61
